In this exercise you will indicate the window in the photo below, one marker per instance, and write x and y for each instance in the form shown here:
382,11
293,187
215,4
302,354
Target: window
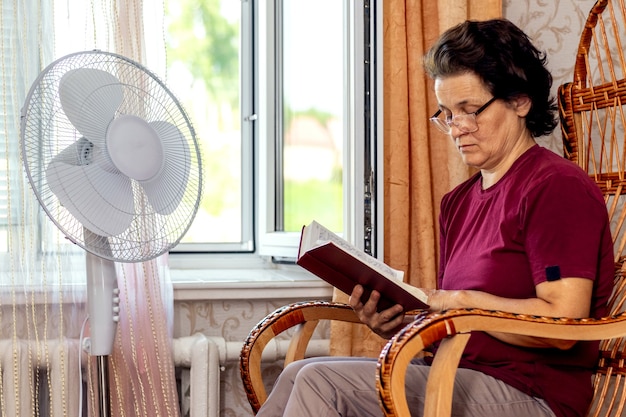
317,66
210,69
310,109
277,91
300,100
9,152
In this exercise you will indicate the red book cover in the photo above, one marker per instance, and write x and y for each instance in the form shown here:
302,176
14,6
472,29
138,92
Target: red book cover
334,263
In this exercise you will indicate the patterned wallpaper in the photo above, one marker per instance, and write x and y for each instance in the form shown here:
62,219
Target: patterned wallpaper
231,320
553,25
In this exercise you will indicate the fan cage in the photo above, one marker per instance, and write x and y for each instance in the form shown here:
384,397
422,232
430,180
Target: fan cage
46,131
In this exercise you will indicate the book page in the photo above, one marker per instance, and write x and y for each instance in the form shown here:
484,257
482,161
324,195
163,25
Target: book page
315,235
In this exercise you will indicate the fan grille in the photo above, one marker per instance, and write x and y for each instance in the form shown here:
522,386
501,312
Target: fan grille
47,131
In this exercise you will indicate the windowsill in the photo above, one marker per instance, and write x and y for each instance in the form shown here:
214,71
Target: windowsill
251,279
246,284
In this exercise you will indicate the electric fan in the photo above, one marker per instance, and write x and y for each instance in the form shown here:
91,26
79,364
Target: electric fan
114,162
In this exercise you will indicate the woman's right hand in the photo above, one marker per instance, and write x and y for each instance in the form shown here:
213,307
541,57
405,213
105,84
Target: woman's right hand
384,323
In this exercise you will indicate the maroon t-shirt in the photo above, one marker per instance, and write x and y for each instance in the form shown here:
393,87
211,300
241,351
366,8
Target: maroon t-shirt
544,220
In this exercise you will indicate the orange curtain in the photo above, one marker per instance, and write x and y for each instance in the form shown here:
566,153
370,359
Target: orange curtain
420,163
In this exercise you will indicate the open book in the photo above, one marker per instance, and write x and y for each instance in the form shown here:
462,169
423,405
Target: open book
343,265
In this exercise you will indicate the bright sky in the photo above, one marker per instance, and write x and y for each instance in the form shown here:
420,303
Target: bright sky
314,39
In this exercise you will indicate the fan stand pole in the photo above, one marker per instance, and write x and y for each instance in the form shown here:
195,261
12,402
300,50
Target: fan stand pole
103,300
104,409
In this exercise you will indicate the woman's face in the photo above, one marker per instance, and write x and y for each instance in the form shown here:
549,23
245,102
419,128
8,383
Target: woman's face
501,136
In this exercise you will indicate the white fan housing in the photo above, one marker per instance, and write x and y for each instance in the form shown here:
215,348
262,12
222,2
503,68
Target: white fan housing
114,162
108,148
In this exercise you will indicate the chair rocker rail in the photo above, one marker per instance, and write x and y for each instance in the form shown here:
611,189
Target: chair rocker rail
452,328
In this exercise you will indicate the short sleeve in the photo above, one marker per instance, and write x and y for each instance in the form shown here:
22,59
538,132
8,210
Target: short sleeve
564,221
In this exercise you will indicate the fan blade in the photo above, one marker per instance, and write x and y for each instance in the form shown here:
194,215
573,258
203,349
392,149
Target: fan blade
102,201
166,190
90,98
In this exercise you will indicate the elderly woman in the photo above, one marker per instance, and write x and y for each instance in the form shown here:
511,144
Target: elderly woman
507,243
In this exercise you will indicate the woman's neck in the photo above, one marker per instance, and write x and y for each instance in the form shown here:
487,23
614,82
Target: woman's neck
491,176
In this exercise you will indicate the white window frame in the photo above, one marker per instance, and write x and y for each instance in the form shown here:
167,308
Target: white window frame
184,252
284,244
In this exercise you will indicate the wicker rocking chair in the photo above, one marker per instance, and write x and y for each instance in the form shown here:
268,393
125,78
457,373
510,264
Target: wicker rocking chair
593,119
593,122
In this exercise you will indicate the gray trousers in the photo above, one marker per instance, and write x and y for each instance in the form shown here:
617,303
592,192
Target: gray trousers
346,387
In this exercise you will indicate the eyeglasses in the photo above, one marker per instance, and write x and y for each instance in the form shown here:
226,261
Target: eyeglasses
466,123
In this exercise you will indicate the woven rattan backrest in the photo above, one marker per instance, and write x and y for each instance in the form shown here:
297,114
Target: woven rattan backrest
593,121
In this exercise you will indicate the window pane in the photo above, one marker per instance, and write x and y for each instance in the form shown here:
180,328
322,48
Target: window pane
203,53
312,114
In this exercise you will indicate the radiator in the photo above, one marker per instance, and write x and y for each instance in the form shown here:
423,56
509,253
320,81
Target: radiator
49,386
200,355
40,366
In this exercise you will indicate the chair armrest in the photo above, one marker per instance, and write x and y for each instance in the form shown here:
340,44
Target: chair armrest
305,316
453,328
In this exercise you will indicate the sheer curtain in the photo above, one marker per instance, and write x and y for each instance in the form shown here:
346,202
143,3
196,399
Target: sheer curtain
420,163
42,282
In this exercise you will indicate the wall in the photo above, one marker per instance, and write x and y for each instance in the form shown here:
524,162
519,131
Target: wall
553,25
231,319
230,306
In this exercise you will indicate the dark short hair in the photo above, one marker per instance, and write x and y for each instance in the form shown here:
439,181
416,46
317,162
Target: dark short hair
505,59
